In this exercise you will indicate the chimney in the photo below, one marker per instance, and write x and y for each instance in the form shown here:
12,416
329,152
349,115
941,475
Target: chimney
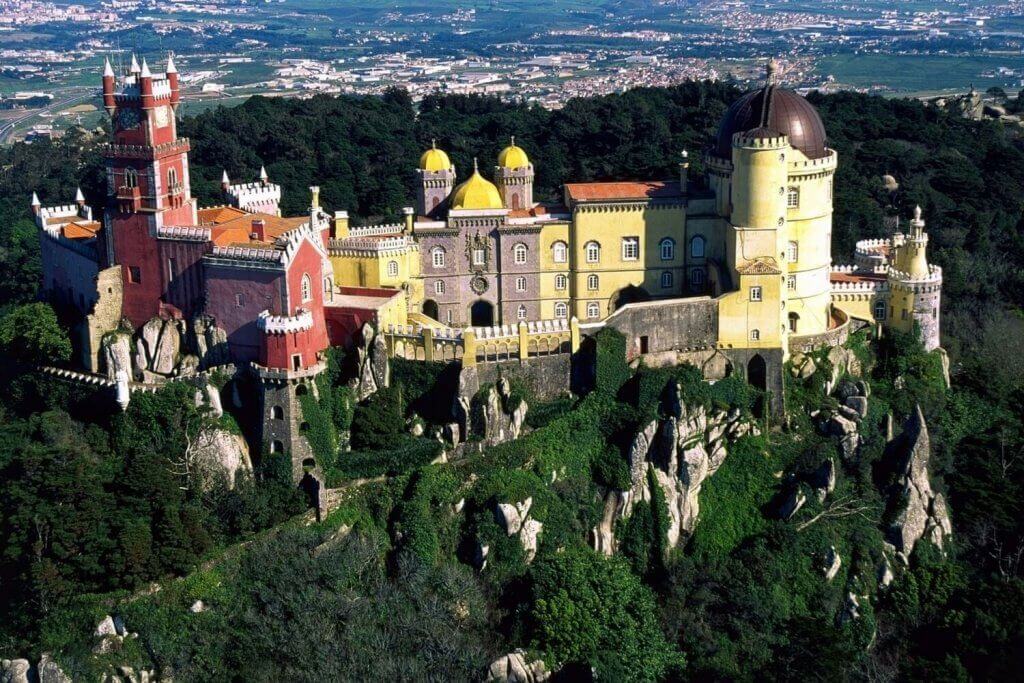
259,230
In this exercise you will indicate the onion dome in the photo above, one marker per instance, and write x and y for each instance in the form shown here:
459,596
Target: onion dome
434,159
476,193
771,111
513,156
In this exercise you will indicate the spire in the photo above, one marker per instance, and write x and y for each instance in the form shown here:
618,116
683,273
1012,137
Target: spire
107,69
146,73
512,140
917,212
263,174
135,65
35,200
225,182
433,143
171,69
79,197
476,168
771,71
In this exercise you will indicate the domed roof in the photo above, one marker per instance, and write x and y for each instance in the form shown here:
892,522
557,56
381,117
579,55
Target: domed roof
435,159
513,156
774,110
476,193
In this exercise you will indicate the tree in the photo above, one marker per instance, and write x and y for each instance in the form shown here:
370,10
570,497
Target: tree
31,334
588,609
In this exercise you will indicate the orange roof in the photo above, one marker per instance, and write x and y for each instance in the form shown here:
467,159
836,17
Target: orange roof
80,231
218,214
643,190
236,231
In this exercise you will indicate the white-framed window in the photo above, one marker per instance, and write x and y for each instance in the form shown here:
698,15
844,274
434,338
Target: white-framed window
791,282
561,282
561,310
755,293
437,257
630,248
592,282
559,252
593,250
479,257
328,288
240,300
521,312
131,178
667,247
793,251
793,197
172,178
593,310
667,279
519,254
697,277
880,310
307,287
448,317
697,246
439,287
392,268
755,335
520,284
794,323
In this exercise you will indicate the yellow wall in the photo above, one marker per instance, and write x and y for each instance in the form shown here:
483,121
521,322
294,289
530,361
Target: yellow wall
738,314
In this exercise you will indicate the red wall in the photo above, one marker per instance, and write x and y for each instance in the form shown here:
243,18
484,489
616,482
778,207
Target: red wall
261,290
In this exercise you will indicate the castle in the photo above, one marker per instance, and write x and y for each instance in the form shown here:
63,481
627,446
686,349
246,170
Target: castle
730,271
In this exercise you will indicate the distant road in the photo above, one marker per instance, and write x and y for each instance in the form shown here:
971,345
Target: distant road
6,129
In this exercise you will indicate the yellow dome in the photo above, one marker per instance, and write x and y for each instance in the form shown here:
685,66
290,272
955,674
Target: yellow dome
513,156
476,193
435,159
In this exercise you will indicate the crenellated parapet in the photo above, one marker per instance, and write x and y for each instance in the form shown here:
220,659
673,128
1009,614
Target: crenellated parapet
284,324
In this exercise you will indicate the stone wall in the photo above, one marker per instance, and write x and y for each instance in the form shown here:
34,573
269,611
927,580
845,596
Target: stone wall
673,325
545,377
104,317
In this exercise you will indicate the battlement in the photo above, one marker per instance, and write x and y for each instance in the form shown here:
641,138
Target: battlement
264,255
284,324
367,245
814,165
247,194
147,152
372,230
72,212
188,233
876,270
484,344
747,141
934,276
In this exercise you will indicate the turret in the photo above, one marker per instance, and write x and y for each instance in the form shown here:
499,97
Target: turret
913,259
684,171
108,88
134,68
79,198
514,177
225,181
146,85
264,178
436,179
172,81
36,204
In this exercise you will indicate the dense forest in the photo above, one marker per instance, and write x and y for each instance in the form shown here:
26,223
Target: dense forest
91,513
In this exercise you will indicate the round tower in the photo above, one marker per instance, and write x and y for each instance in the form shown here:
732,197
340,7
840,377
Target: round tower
915,286
514,177
435,180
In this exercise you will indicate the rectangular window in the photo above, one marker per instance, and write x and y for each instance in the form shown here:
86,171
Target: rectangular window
793,251
630,248
791,282
134,275
520,284
793,198
239,300
297,361
172,267
479,257
755,293
448,317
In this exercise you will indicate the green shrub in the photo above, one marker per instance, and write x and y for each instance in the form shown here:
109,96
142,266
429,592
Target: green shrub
379,421
318,429
610,368
428,388
406,454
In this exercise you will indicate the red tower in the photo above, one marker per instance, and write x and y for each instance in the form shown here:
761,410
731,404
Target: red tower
147,180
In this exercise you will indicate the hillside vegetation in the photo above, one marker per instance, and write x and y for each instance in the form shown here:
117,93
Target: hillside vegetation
393,584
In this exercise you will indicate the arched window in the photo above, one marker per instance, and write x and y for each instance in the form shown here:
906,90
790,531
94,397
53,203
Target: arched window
794,322
439,287
793,251
392,268
696,278
328,289
880,310
172,178
521,313
437,257
697,246
592,282
793,197
666,279
561,282
668,249
593,250
307,288
755,335
131,178
519,253
520,284
277,413
559,252
791,282
561,310
593,310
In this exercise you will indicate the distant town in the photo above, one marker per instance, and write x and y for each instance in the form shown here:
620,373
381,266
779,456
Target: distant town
546,56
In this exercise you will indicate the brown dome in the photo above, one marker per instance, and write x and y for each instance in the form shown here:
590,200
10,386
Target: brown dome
786,113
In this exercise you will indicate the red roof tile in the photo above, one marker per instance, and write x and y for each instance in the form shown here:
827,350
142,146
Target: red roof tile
642,190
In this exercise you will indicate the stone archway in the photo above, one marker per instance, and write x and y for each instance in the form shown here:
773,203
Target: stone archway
757,372
430,309
628,295
481,314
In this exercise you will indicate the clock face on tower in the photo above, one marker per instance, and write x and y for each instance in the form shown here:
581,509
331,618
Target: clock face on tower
162,116
127,119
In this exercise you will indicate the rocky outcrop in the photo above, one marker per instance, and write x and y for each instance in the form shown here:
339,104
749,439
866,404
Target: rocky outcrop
802,366
681,452
220,456
117,353
373,369
209,342
844,421
158,348
14,671
513,668
50,672
497,416
515,520
832,563
919,512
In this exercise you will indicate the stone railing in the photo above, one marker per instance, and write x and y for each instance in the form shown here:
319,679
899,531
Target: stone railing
375,230
803,343
284,324
484,344
192,233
